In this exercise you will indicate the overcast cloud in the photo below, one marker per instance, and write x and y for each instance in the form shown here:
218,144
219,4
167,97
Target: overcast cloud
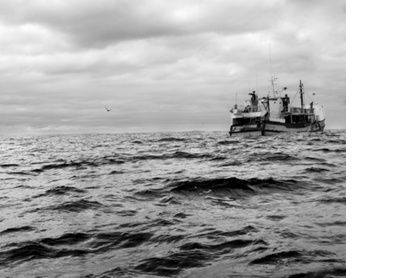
162,65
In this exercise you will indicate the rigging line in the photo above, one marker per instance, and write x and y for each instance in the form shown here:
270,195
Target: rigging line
309,96
298,90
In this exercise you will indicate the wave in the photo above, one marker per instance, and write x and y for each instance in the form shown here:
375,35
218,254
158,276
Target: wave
70,244
331,180
330,272
231,163
77,206
330,224
337,141
327,164
232,244
191,255
62,190
292,255
172,139
314,159
274,258
180,154
181,215
116,172
67,239
169,200
218,158
63,166
227,142
35,250
217,234
282,157
174,263
316,170
187,256
22,173
177,155
325,150
17,230
121,159
96,162
8,165
150,194
333,200
119,240
232,187
276,217
271,157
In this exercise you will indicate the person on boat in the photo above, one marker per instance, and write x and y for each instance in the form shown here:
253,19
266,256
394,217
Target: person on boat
286,102
254,100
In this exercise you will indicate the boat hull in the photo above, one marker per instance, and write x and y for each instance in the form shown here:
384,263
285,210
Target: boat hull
270,128
255,133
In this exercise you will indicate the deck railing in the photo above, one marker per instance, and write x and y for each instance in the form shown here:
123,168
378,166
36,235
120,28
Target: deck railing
297,110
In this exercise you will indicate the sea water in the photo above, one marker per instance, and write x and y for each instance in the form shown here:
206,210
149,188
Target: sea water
194,204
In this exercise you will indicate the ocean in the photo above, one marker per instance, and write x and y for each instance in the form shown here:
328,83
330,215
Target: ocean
188,204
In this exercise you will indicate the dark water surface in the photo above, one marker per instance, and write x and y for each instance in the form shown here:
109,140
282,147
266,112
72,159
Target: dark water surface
196,204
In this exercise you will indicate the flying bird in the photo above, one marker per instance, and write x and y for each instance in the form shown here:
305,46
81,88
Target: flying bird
108,110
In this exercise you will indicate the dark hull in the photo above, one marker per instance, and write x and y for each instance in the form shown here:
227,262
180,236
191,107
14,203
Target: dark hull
269,128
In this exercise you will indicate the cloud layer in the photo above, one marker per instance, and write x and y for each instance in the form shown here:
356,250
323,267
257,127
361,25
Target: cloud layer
162,65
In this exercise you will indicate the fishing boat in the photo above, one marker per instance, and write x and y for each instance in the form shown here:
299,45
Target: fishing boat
274,114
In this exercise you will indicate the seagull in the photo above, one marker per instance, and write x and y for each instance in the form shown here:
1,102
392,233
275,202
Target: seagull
108,110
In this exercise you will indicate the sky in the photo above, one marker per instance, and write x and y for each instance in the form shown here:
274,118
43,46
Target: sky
175,65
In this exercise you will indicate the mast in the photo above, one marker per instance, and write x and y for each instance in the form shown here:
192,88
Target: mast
301,96
236,102
270,70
